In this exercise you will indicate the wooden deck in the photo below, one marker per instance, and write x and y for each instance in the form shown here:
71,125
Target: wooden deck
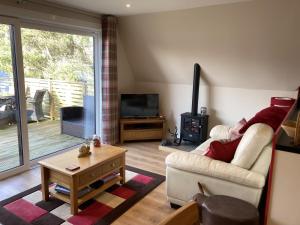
44,138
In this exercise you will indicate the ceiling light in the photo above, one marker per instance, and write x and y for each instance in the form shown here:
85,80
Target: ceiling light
128,5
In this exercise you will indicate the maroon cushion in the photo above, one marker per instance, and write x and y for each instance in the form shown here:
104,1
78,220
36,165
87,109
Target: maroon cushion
285,102
273,116
219,150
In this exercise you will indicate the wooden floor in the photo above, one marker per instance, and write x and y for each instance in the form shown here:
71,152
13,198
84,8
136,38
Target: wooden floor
144,155
44,138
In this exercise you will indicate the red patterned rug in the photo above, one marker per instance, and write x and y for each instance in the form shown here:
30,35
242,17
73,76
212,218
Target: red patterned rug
29,208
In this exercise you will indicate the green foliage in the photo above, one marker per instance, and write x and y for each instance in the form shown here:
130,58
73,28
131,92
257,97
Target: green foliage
59,56
50,55
5,50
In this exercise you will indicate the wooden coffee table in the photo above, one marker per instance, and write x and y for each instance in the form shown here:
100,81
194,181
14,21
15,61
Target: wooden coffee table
102,162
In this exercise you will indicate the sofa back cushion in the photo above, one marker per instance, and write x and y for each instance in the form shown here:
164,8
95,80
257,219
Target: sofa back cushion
220,132
253,142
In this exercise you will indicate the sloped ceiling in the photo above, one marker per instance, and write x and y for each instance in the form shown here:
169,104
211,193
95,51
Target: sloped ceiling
252,44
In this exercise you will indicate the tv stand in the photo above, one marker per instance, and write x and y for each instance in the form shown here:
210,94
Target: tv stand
146,128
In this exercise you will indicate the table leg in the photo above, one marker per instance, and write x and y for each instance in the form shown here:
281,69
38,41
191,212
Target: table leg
122,174
74,195
45,183
122,171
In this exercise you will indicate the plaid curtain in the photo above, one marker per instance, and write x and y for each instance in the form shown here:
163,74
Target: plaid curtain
110,112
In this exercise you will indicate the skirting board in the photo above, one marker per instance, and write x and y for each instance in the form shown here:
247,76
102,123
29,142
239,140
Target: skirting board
172,148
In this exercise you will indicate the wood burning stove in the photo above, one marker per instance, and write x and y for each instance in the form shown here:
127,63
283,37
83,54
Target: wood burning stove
193,125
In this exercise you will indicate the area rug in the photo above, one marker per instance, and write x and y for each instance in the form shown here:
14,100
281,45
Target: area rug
29,208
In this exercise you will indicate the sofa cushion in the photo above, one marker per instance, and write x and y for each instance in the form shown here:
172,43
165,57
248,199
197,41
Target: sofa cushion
253,142
195,163
273,116
220,132
223,151
78,122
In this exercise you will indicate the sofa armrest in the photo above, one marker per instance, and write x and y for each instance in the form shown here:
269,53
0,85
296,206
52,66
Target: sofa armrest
196,163
220,132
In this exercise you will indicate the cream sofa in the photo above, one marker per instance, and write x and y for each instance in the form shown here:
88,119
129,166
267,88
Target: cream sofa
185,169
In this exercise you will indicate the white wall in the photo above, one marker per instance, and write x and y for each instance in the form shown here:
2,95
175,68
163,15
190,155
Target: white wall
248,52
225,105
252,45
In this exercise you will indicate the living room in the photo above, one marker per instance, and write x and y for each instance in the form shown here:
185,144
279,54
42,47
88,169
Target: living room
68,68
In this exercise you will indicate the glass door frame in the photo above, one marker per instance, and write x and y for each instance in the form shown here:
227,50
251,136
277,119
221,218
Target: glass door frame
17,60
17,25
97,71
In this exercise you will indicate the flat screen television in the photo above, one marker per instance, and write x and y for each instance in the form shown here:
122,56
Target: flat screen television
139,105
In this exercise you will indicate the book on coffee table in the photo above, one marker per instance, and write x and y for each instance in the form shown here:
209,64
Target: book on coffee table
103,180
66,191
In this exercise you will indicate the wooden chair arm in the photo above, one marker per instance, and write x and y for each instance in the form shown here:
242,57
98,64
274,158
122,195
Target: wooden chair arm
187,215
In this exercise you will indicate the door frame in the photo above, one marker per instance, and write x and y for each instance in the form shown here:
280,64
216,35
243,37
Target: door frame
17,60
22,23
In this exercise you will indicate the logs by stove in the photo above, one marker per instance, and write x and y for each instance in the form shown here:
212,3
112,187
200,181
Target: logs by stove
193,125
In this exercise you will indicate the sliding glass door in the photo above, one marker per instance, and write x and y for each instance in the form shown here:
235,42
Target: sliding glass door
47,92
59,84
11,154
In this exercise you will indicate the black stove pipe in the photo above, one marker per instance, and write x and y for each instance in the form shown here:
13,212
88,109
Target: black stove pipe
196,83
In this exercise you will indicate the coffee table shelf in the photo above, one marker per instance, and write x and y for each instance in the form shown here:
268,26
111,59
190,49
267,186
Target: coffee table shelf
86,197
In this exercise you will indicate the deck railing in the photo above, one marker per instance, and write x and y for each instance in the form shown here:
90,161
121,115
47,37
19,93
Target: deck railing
60,93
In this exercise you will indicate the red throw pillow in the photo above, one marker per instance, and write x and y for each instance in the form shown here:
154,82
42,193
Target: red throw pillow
272,116
223,151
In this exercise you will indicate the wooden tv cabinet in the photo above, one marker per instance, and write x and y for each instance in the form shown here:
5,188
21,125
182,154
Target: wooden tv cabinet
132,129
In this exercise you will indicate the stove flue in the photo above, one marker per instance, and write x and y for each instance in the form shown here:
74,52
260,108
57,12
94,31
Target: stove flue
196,84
